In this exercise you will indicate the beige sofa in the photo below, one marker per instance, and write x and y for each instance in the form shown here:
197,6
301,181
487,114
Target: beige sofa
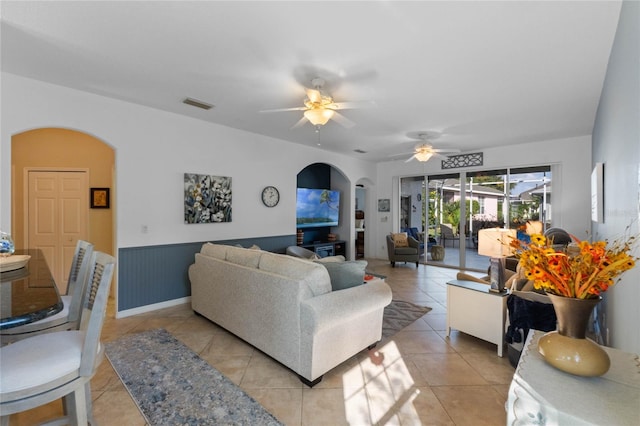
285,307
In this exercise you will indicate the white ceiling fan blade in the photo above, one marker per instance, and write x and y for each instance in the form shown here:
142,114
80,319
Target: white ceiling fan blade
314,96
353,105
402,154
342,120
410,158
300,123
445,150
284,109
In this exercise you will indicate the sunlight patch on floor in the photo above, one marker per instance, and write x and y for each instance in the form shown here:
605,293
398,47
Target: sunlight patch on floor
379,388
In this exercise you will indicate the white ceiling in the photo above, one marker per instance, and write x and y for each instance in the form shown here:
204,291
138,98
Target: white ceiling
480,73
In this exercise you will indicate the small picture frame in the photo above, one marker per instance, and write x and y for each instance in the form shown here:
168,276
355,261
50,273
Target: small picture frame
597,193
99,198
384,205
496,274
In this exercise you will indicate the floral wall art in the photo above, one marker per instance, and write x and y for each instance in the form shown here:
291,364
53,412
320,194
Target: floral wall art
207,199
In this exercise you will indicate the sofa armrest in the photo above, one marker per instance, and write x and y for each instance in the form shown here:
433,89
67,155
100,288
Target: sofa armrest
337,325
334,308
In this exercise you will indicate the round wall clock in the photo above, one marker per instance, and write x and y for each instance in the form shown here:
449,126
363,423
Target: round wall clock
270,196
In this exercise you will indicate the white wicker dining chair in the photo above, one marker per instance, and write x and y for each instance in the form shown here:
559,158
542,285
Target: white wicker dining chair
43,368
69,317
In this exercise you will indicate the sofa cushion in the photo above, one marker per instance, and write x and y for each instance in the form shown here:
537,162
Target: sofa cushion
406,250
218,251
315,276
244,257
346,274
400,239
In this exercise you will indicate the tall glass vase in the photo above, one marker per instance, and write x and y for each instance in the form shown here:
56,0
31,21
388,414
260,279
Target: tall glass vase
568,349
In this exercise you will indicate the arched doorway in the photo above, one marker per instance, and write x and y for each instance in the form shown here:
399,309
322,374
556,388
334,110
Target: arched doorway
326,176
363,215
52,154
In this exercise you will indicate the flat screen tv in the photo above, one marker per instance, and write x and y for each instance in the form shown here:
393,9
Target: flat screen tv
317,207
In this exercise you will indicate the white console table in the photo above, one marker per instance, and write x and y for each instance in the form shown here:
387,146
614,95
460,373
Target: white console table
542,395
473,309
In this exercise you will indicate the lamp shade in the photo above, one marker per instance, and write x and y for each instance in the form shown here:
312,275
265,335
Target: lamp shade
495,242
318,116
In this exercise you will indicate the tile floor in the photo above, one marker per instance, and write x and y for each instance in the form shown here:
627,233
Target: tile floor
417,377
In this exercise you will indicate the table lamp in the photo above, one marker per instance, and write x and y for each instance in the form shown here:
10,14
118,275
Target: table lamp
495,243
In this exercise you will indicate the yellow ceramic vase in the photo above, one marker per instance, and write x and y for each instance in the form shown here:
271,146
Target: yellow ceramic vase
568,349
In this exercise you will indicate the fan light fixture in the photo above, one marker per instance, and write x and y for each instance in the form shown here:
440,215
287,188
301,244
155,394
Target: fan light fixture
318,116
423,153
423,156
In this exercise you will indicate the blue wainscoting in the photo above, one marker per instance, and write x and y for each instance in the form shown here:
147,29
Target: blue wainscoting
156,274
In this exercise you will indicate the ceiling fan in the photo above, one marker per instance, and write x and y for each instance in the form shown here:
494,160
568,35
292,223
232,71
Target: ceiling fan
319,107
424,151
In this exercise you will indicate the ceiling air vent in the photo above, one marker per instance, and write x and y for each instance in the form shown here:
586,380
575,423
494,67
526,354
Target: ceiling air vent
196,103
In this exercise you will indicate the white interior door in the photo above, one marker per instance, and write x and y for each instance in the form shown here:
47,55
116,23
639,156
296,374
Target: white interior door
58,210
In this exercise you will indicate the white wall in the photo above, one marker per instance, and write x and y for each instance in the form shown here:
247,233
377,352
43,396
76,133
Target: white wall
571,169
154,149
616,143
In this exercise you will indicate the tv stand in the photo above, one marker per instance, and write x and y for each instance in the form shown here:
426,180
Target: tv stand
327,248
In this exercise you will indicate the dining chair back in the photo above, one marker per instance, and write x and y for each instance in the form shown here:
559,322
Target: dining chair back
68,318
79,265
43,368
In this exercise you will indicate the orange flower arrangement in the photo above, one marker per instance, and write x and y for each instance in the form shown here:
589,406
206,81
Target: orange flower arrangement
584,270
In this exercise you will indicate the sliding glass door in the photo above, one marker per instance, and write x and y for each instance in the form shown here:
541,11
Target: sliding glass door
530,196
445,211
412,210
505,198
449,214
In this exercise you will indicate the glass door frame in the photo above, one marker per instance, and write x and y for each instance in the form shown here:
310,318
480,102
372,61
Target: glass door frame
506,207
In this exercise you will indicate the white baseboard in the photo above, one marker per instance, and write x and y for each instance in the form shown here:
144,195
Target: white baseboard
154,307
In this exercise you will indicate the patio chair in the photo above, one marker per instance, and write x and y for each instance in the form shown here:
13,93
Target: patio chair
447,233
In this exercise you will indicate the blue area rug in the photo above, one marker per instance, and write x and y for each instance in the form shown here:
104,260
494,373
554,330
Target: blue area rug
172,385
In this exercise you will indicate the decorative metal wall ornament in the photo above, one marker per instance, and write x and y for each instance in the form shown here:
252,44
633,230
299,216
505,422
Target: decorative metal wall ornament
207,199
462,160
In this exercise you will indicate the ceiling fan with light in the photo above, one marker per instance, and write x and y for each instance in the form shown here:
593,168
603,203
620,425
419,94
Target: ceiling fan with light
424,150
319,107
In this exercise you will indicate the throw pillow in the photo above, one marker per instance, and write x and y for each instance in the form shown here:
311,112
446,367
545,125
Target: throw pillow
346,274
400,239
338,258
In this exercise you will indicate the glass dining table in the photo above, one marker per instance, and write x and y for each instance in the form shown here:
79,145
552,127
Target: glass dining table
28,293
